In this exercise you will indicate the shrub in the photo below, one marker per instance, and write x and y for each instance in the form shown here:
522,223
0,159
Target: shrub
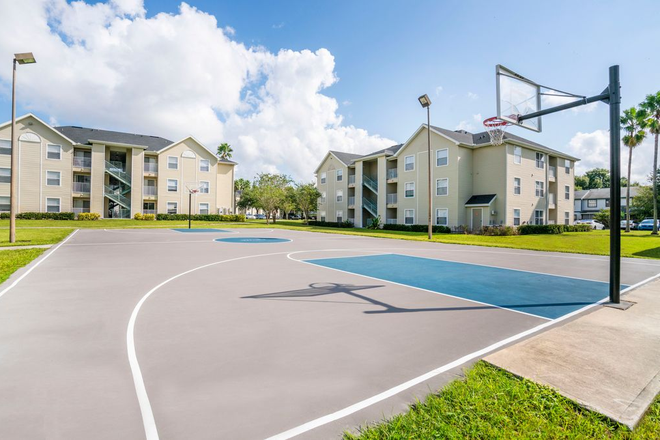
149,217
41,215
437,229
324,224
374,223
346,224
85,216
552,229
137,216
498,231
203,217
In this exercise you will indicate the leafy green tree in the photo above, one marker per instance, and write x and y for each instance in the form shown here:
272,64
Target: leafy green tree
652,106
240,186
581,182
641,206
290,202
307,198
224,151
247,200
603,216
632,122
270,192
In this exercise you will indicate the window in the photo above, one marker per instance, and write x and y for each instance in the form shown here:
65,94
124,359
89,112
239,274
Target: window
592,203
540,160
4,204
567,217
172,207
322,178
516,186
340,175
322,216
203,208
409,163
607,203
52,205
340,216
340,195
172,185
204,165
442,157
5,146
441,187
148,208
54,152
53,178
567,166
517,155
539,189
516,217
204,187
567,192
408,216
172,163
5,175
538,217
442,216
323,197
410,190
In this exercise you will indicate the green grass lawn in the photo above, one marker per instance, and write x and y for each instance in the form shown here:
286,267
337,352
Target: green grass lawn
490,403
12,260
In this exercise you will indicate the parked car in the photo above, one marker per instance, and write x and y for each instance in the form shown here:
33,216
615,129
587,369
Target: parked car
250,216
594,224
293,216
261,217
633,225
647,225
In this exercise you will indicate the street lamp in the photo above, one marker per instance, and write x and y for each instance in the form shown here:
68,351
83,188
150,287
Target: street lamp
426,103
19,58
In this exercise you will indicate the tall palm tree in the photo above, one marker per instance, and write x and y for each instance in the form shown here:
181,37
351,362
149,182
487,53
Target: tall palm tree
224,151
632,122
652,106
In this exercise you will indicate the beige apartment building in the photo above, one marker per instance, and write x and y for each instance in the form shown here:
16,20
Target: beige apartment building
474,183
64,169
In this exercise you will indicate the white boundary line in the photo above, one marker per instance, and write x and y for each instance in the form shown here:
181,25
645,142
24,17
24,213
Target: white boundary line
137,242
268,240
44,258
419,379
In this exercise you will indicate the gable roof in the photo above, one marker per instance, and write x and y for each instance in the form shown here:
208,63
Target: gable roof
481,200
83,136
345,158
603,193
30,115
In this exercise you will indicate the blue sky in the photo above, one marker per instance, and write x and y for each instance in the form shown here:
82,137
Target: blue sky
387,53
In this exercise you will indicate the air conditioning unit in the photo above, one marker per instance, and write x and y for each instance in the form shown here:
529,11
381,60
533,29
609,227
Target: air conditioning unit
493,212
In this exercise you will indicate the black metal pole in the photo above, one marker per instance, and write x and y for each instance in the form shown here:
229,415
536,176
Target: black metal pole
428,131
189,209
615,185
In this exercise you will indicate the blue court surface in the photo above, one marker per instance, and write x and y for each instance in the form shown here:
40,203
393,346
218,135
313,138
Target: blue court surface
543,295
252,240
199,230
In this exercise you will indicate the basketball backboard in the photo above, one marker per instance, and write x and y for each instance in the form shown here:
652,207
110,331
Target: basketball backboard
517,96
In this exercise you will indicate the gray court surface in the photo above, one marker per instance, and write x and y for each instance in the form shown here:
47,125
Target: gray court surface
157,334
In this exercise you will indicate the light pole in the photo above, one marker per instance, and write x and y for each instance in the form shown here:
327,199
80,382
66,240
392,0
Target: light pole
426,103
20,58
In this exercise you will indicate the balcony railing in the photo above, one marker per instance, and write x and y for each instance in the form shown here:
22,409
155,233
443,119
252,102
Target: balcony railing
351,179
551,199
149,211
150,191
82,162
370,183
150,167
321,200
390,221
351,201
391,199
81,187
392,173
552,171
79,210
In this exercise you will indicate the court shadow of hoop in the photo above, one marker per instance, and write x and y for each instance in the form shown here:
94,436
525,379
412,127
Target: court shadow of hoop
316,290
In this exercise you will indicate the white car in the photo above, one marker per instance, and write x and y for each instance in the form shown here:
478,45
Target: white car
250,216
594,224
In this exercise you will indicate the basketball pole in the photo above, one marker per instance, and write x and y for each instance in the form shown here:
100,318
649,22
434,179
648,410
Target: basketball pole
189,209
612,96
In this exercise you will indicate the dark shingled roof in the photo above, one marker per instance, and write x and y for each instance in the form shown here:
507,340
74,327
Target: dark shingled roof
346,158
389,150
83,135
482,199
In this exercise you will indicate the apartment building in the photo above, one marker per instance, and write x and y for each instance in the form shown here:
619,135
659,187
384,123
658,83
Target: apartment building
115,174
474,183
589,201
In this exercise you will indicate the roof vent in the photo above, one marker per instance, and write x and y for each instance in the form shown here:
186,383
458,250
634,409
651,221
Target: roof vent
75,126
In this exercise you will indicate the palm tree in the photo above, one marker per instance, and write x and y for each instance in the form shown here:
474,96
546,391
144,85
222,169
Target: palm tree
652,106
632,123
224,151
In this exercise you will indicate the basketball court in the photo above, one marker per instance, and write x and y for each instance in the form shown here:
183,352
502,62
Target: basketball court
262,333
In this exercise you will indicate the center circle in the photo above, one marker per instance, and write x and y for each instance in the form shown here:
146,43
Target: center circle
252,240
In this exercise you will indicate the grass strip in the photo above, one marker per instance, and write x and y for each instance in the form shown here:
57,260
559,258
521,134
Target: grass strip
12,260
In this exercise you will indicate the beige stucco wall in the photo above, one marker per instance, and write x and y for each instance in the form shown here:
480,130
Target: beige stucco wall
564,179
527,201
331,206
489,177
224,188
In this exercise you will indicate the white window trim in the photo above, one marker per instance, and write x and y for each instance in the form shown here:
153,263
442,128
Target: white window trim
200,165
519,216
542,216
167,184
339,193
542,160
176,205
437,188
54,171
53,145
200,186
324,178
413,163
412,216
567,192
177,162
337,175
536,189
519,186
208,207
515,155
337,216
436,216
436,157
8,202
59,203
404,190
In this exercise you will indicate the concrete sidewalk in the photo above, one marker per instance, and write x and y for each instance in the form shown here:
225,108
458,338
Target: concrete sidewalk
608,360
35,246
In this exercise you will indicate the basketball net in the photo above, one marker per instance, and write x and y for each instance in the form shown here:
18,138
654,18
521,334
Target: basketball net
496,128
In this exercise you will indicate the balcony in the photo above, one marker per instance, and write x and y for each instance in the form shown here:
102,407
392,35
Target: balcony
151,168
552,173
351,181
390,221
321,200
551,201
81,188
77,211
351,202
149,211
82,163
391,200
150,192
392,175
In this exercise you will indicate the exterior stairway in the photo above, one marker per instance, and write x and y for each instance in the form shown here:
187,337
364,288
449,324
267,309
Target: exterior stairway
370,206
370,183
117,193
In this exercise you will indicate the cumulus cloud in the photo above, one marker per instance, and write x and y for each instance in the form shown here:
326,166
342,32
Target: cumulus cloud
474,125
554,99
472,96
438,90
106,65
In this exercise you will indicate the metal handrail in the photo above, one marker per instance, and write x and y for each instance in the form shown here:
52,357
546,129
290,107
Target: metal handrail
370,205
392,173
151,167
370,183
150,191
351,179
81,187
351,201
116,169
115,194
392,199
82,162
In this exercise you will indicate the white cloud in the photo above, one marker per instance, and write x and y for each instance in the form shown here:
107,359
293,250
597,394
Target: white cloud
473,126
555,99
278,25
472,96
107,66
594,151
346,103
230,31
438,90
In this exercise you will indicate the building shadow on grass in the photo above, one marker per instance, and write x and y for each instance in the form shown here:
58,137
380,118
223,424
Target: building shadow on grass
328,289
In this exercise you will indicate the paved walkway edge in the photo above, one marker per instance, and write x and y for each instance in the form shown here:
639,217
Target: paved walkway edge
35,246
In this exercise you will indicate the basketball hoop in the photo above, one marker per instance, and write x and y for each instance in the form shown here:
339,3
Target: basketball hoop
496,128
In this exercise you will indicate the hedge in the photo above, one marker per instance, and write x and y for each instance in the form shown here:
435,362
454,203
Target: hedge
41,216
417,228
552,229
89,216
344,224
203,217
